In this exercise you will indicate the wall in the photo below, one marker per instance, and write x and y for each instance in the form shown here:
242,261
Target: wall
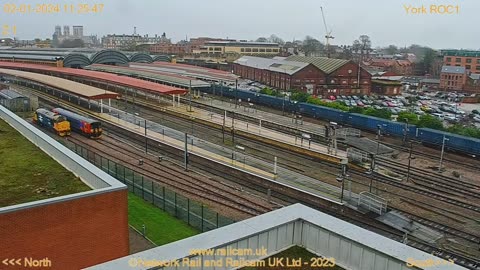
72,231
71,234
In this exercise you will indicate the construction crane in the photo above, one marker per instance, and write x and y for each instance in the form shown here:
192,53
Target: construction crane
328,35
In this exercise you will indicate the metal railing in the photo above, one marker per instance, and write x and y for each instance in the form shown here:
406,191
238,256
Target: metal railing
193,213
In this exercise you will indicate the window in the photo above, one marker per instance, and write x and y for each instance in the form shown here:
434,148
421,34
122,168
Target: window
478,61
242,49
269,50
478,68
468,67
449,59
254,50
248,50
458,60
469,60
275,50
261,50
457,65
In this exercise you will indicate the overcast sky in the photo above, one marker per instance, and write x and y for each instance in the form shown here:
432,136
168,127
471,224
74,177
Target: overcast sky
385,21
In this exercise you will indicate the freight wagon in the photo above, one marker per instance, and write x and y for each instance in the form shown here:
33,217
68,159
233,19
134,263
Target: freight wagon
81,124
453,142
52,121
456,143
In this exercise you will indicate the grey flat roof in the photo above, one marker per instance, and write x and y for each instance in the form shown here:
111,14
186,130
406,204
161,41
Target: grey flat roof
455,70
246,228
166,78
277,65
475,76
11,94
430,80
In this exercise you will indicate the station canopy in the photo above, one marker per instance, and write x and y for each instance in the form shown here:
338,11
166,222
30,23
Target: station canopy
97,76
71,87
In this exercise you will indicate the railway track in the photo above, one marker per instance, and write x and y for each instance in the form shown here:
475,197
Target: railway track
440,227
393,234
175,178
464,163
424,191
432,181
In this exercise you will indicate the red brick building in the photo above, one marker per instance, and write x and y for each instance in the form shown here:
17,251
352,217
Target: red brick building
470,60
386,87
472,84
168,48
399,67
72,234
453,78
315,75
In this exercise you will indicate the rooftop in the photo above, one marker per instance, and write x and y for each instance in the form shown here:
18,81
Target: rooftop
455,70
351,246
69,86
98,76
278,65
466,53
10,94
327,65
28,174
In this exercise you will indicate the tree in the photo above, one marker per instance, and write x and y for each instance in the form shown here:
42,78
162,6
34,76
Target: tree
428,59
275,39
382,113
428,121
299,96
391,49
311,45
75,43
262,39
412,118
357,109
366,45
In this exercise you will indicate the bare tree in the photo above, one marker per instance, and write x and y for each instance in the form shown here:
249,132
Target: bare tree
312,45
262,39
275,39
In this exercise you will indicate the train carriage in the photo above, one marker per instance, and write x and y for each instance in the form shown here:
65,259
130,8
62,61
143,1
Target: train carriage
81,124
52,121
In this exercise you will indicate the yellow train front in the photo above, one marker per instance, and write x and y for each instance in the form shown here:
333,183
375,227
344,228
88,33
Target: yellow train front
52,121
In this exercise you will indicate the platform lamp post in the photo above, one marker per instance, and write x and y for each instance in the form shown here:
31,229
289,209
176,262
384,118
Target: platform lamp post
236,90
441,155
409,160
190,96
405,131
341,178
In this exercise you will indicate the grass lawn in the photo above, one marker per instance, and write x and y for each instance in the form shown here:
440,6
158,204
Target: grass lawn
28,174
161,227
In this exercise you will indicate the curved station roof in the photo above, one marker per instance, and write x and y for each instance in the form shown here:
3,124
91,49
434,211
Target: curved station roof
79,89
150,75
81,57
96,76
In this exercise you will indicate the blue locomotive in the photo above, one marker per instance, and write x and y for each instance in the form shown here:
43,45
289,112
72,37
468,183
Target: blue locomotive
50,120
81,124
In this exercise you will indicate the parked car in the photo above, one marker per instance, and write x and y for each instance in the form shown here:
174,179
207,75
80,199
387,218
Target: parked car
475,112
360,103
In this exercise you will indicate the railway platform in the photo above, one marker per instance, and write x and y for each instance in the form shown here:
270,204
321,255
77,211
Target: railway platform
302,141
231,157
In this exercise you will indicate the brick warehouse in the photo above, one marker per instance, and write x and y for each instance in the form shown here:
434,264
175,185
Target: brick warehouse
315,75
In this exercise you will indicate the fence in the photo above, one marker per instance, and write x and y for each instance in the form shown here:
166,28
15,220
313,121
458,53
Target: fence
193,213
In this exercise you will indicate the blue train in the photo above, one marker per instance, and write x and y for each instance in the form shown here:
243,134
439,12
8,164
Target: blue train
454,142
81,124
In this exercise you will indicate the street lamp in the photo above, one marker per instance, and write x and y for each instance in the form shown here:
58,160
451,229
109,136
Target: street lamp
236,89
341,178
409,160
405,131
443,150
